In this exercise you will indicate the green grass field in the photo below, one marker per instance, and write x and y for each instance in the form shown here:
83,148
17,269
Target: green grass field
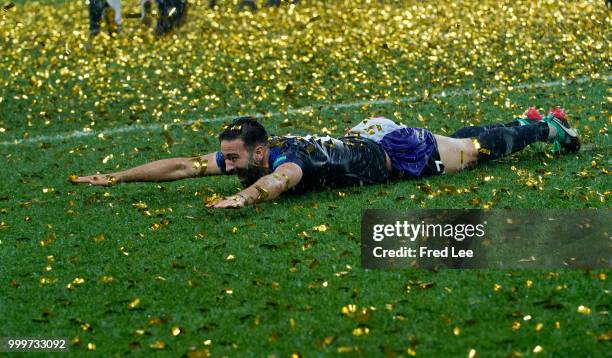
146,269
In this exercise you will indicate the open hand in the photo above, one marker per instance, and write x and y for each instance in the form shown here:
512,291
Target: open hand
230,202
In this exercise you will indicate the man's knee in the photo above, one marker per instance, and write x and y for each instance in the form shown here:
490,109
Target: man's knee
457,154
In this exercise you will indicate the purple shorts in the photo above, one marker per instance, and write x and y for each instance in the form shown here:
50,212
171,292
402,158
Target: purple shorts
413,152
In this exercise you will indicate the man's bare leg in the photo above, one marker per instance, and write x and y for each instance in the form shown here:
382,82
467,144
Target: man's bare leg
456,153
488,144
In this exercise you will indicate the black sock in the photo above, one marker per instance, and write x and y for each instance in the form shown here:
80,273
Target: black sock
501,141
475,131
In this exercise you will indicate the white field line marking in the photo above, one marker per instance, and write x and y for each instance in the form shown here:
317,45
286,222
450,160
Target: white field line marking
444,94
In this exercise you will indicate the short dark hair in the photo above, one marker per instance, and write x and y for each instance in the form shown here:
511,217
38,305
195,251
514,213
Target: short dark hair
248,129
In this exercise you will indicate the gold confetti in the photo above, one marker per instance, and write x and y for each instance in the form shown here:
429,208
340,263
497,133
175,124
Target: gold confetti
360,331
411,352
456,331
348,309
91,346
134,304
606,336
48,280
176,330
584,309
602,276
328,340
321,228
98,238
49,240
262,194
472,353
199,165
158,345
203,353
106,279
538,349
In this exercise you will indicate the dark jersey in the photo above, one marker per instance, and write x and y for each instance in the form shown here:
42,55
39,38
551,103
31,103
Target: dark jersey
328,162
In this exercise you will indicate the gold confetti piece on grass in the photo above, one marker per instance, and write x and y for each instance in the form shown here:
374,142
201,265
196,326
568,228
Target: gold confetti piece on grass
472,353
348,309
91,346
134,304
140,205
456,331
602,276
203,353
411,351
49,240
583,309
210,200
360,331
98,238
47,280
176,330
321,228
538,349
73,178
158,345
106,279
606,336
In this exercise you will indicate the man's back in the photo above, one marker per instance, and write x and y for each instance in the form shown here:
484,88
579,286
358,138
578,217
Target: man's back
329,162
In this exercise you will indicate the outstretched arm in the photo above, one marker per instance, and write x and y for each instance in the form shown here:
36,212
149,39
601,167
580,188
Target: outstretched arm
159,170
266,188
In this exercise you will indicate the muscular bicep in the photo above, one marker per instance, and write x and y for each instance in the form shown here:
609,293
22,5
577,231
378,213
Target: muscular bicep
205,165
289,173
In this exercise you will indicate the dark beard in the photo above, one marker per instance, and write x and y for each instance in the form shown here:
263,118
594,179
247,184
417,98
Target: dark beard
251,174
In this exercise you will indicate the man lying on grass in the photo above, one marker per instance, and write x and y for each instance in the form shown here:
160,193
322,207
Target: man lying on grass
377,150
